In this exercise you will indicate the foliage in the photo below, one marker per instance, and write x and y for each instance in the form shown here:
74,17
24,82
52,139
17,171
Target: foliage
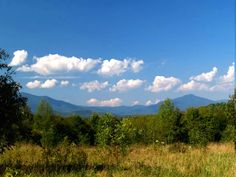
170,122
114,134
11,104
231,113
229,133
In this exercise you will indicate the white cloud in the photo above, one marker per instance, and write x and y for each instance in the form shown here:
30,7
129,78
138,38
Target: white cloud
54,63
64,83
50,83
113,67
117,67
229,77
37,84
94,85
222,83
25,68
124,85
34,84
19,57
193,85
162,83
111,103
219,87
150,102
207,77
136,65
135,103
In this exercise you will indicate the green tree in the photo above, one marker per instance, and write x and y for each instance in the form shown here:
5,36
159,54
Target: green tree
170,124
201,126
44,124
77,130
11,104
115,135
231,113
26,128
106,128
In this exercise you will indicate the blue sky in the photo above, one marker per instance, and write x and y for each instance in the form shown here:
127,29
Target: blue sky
120,52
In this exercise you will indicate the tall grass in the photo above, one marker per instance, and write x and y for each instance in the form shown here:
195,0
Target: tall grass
216,160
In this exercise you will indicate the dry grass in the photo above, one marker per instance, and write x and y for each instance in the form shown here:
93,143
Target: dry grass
216,160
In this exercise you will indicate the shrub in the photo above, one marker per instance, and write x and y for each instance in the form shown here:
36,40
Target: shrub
229,133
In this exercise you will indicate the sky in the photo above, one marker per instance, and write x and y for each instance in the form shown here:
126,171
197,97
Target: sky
120,52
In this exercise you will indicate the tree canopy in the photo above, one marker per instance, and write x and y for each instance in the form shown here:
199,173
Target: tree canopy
11,104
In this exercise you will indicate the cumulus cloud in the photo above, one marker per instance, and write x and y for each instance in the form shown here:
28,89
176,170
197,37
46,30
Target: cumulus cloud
219,87
136,66
229,77
25,68
19,57
135,103
207,77
64,83
150,102
223,83
117,67
124,85
54,63
33,84
193,85
110,103
162,83
94,85
113,67
50,83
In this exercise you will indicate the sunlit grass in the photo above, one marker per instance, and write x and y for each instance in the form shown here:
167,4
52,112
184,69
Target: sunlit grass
216,160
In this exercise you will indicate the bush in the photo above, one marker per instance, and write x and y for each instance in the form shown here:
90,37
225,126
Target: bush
229,133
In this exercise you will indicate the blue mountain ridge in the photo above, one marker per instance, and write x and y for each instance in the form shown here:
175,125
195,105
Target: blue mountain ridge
65,108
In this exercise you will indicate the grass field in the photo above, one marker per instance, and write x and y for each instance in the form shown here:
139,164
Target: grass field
216,160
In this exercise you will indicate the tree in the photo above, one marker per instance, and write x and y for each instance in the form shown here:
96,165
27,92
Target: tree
115,135
170,122
231,113
201,125
106,130
44,124
11,104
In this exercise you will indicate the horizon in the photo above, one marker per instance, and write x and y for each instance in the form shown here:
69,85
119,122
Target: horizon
109,54
127,105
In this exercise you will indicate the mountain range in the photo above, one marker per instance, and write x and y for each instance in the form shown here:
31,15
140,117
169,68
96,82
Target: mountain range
65,108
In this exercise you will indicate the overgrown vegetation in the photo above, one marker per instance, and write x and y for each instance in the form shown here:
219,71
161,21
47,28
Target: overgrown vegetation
50,144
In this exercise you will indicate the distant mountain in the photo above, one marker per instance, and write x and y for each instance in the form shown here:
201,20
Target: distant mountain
65,108
58,106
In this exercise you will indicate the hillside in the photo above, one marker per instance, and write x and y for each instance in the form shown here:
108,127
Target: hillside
65,108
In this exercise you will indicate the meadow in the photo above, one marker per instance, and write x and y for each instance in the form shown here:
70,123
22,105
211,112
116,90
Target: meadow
180,160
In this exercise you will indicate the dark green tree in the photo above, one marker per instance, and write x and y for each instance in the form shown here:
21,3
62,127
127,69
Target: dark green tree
201,125
44,124
231,114
11,104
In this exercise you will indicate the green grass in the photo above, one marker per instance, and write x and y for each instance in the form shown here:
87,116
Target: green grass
216,160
